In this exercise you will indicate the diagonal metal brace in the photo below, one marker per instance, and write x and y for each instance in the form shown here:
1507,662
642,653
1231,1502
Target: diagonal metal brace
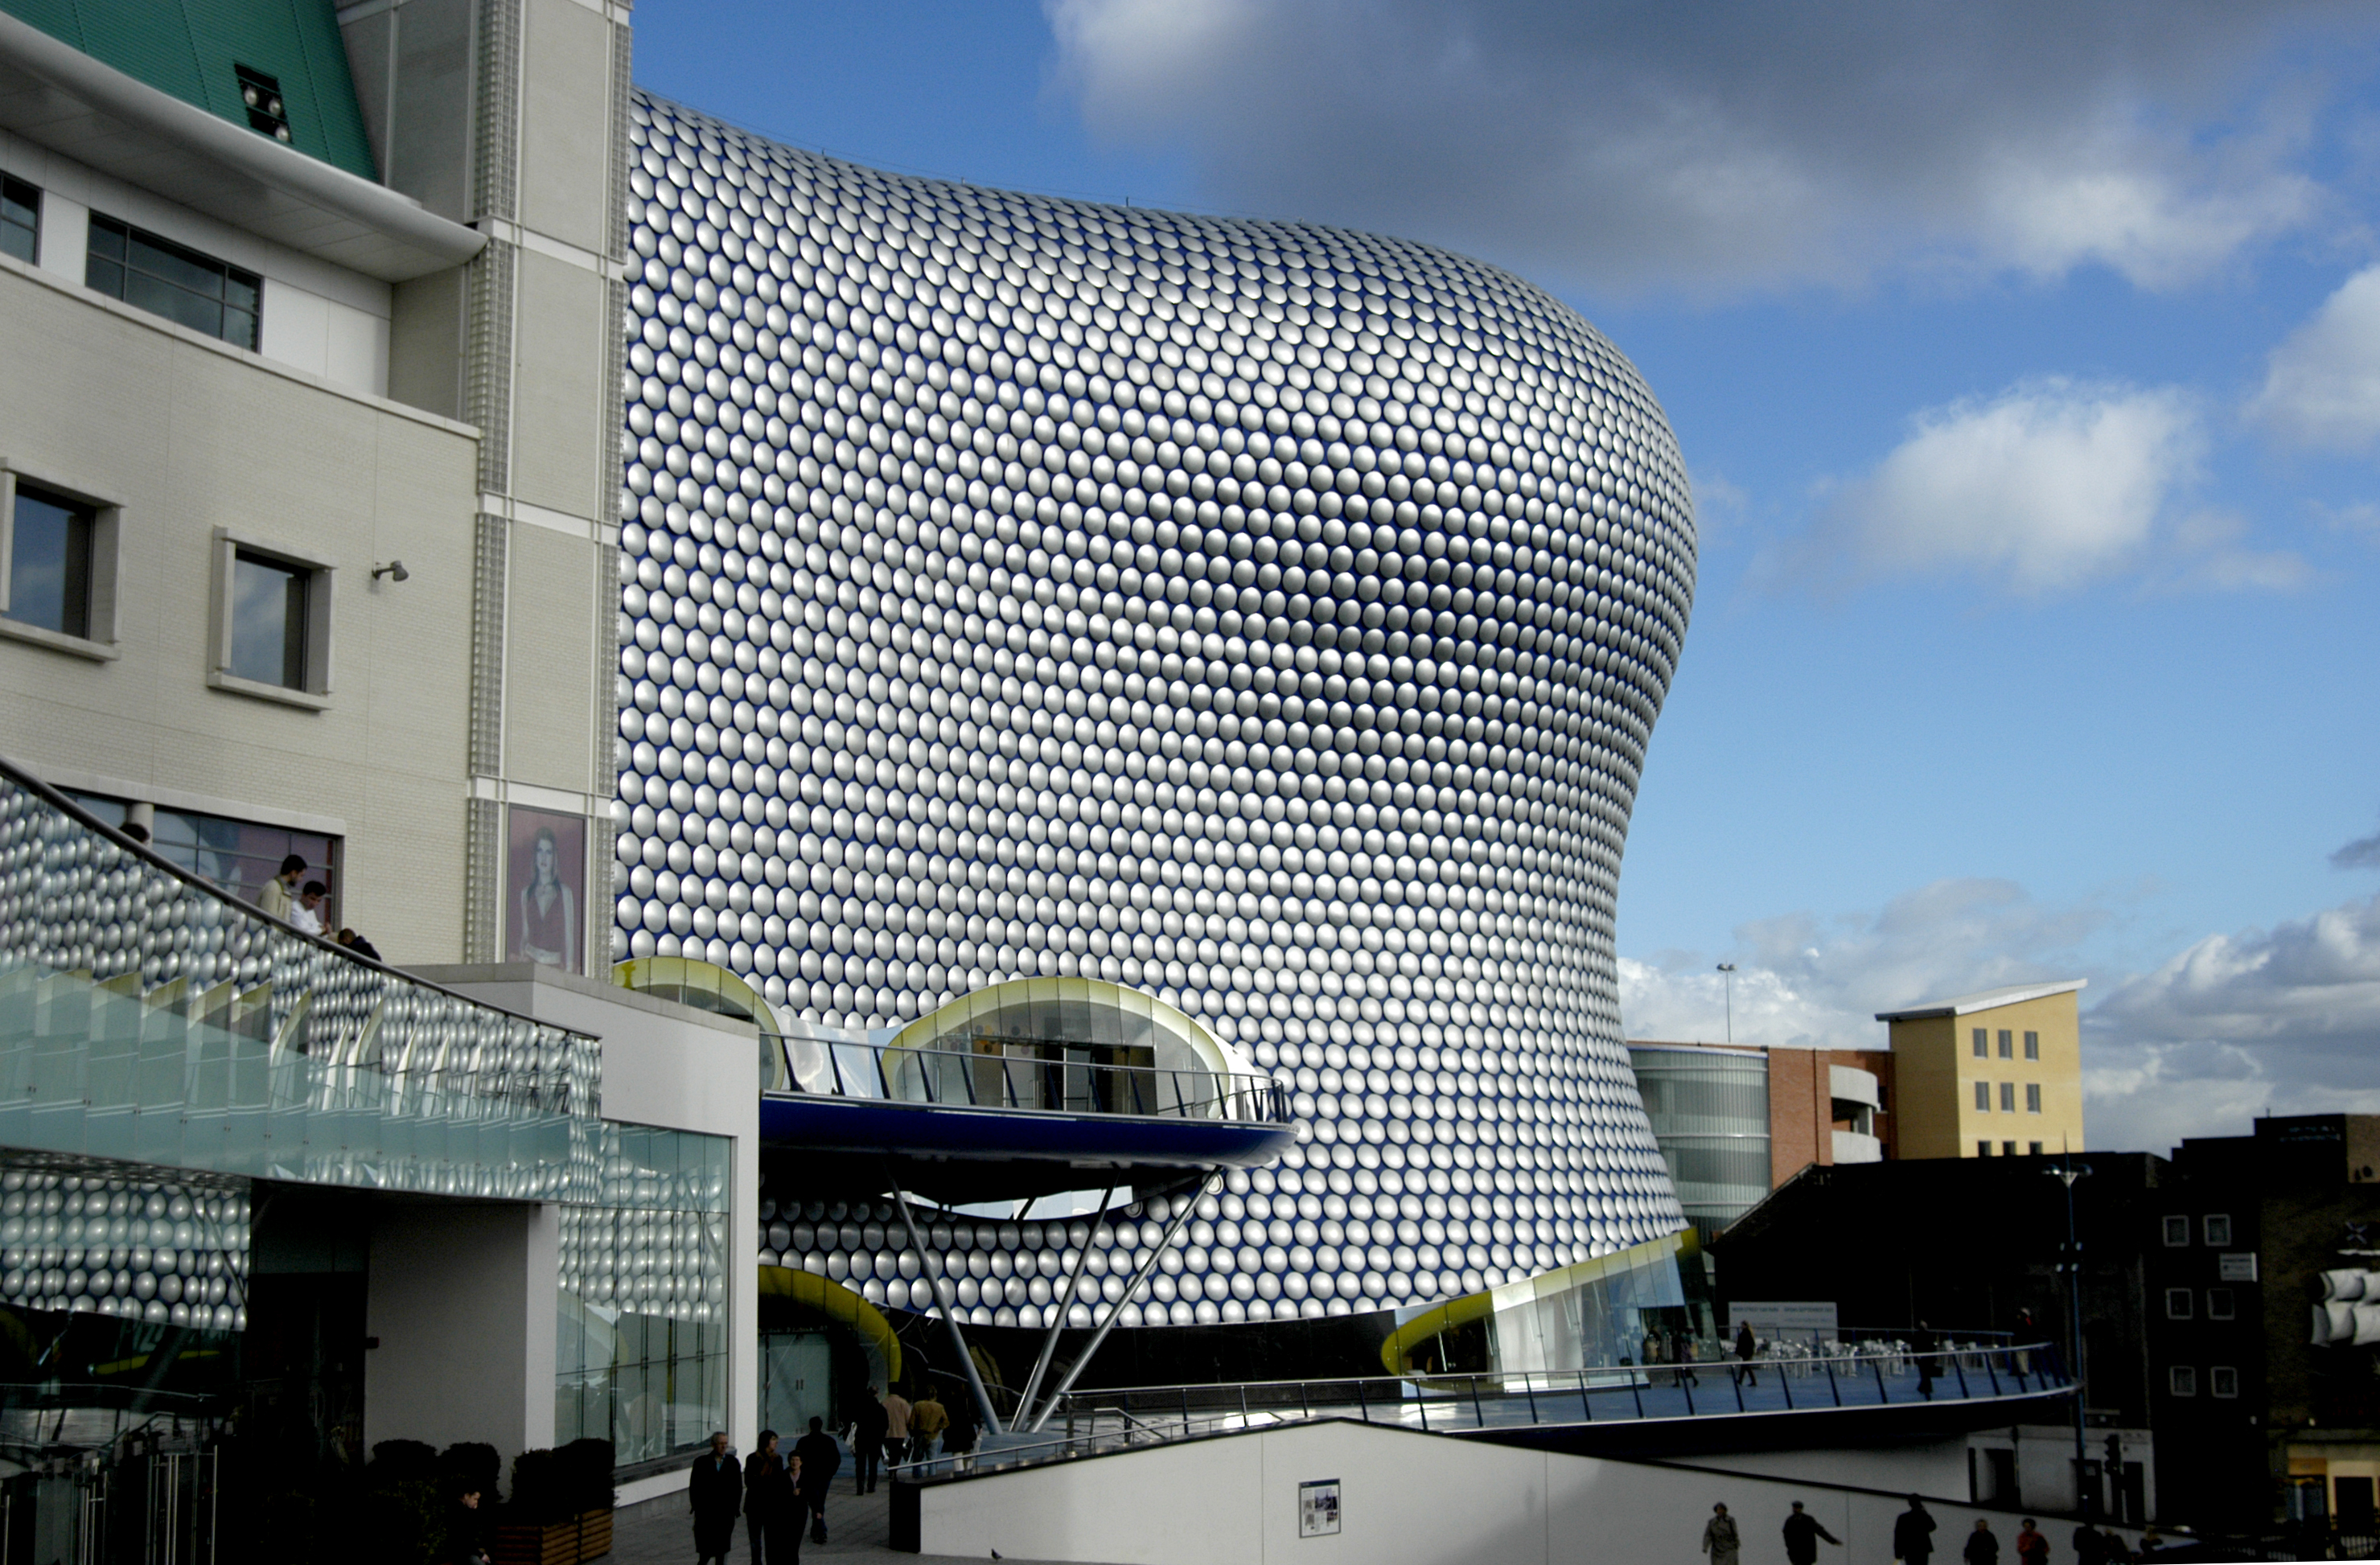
958,1338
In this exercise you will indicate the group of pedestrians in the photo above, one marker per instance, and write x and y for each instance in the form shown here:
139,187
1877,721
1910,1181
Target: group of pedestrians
1912,1540
780,1497
291,897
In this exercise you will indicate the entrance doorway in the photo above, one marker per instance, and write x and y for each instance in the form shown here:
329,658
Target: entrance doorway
797,1382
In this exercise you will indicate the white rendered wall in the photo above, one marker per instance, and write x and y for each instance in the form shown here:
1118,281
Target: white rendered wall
461,1298
1405,1497
681,1069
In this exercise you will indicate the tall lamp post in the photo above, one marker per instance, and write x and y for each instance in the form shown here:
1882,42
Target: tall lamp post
1727,977
2071,1265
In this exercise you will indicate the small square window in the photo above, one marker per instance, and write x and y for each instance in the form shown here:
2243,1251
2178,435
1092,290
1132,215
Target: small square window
2008,1148
2182,1379
20,220
2218,1230
273,622
2008,1050
2223,1380
1982,1044
1982,1149
57,566
2008,1097
2177,1303
154,273
2221,1306
1983,1098
2033,1046
2034,1147
2033,1098
2177,1231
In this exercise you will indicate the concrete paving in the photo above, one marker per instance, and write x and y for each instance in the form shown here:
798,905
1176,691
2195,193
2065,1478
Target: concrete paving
661,1533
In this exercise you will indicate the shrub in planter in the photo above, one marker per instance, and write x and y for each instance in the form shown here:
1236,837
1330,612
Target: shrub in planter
468,1465
586,1476
397,1461
540,1490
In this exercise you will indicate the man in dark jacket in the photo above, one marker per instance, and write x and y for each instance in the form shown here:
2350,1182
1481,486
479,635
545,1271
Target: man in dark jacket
1922,1345
1802,1535
714,1492
1913,1535
868,1427
819,1456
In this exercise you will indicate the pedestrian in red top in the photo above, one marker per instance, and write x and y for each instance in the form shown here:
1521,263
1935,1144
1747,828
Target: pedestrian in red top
2032,1544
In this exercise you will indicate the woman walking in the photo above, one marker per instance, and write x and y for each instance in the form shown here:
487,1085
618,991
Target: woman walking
1719,1539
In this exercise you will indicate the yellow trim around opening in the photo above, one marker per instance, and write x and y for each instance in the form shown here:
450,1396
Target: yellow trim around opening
1396,1353
684,973
838,1303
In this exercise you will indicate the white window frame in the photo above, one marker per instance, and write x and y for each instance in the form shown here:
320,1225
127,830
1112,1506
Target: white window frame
2180,1304
1983,1098
316,695
2207,1226
2214,1380
2228,1300
2033,1098
2170,1241
106,536
2181,1379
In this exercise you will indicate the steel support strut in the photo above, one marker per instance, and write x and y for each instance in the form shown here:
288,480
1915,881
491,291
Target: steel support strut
958,1338
1058,1320
1173,1231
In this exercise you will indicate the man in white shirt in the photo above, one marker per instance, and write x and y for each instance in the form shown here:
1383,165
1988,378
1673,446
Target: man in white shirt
307,913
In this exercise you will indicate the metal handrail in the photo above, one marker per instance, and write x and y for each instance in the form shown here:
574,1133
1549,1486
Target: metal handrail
950,1077
1467,1404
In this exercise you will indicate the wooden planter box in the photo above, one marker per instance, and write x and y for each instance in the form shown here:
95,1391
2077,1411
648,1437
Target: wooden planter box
584,1537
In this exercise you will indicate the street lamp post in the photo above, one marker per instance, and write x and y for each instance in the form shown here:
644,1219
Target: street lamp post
2071,1265
1727,972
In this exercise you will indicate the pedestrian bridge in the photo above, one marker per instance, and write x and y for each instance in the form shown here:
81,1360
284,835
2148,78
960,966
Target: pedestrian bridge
1859,1393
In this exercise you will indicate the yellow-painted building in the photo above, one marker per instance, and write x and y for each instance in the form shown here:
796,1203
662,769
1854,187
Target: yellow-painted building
1993,1074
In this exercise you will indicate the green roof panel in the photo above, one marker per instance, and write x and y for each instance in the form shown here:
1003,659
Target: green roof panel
189,49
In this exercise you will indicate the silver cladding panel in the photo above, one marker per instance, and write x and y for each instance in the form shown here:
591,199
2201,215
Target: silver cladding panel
1271,616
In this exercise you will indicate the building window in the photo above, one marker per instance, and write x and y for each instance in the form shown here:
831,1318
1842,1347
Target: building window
2220,1304
57,566
234,856
2223,1380
1982,1149
2033,1046
2218,1230
1983,1098
20,220
2177,1303
173,281
2008,1049
2182,1379
2176,1232
272,622
2008,1148
2034,1147
1982,1044
2033,1098
2008,1097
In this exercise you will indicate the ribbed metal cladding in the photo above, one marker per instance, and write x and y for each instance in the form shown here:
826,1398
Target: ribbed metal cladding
1269,616
483,854
491,559
495,173
488,284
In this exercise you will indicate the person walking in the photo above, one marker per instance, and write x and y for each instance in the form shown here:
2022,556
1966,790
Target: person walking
867,1427
1922,1343
1913,1534
927,1421
1686,1356
1720,1538
2031,1543
819,1456
959,1439
2090,1548
1802,1534
1983,1548
769,1503
714,1493
1745,1351
896,1428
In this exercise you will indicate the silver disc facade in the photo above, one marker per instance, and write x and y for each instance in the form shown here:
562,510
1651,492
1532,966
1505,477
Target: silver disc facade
1271,616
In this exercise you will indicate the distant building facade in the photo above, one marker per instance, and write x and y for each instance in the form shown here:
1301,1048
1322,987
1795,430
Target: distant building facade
1996,1074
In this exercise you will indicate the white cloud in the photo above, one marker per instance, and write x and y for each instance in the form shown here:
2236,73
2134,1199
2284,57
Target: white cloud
1732,145
2322,385
2042,488
2285,1019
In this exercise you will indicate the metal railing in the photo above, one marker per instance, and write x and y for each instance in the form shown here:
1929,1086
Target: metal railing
1130,1418
1050,1083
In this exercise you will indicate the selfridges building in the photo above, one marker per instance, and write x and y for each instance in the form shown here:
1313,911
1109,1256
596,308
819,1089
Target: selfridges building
1268,616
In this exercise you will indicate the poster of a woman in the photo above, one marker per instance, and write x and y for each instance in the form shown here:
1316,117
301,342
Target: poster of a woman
549,867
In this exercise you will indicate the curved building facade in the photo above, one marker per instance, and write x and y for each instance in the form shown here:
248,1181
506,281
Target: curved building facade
1270,617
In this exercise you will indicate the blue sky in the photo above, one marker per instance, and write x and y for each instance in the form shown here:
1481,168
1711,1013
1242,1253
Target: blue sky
2027,362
